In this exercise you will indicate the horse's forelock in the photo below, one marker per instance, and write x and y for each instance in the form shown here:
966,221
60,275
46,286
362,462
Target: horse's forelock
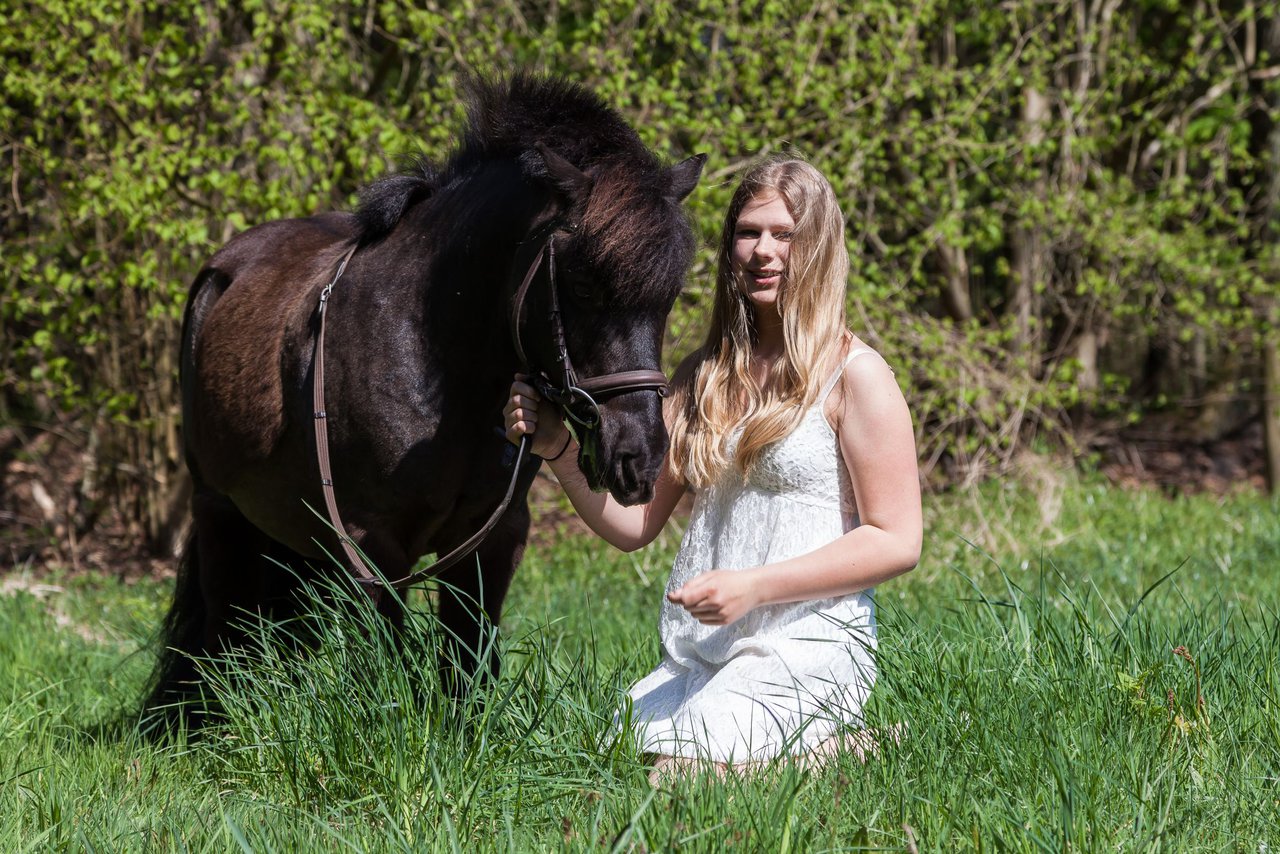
633,231
639,235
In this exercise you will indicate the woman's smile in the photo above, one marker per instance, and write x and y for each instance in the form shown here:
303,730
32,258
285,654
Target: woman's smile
761,243
766,278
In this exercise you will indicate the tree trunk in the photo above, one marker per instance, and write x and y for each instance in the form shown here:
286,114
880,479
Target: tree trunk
1028,245
953,260
1087,356
1269,233
1271,411
955,281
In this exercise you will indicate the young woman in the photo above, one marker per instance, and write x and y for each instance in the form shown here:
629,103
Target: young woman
797,444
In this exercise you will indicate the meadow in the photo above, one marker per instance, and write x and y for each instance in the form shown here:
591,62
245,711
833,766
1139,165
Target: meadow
1073,667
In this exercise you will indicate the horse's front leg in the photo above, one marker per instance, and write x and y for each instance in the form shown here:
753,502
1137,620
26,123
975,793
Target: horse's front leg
471,593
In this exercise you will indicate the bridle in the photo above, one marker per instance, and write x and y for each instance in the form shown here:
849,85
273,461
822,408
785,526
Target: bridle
577,398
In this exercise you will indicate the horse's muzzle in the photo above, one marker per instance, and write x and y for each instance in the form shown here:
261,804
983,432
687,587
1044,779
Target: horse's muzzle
626,452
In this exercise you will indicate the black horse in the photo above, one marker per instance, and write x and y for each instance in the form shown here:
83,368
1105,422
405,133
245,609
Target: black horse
419,352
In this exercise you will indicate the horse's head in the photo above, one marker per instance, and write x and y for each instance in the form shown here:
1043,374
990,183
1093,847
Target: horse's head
608,258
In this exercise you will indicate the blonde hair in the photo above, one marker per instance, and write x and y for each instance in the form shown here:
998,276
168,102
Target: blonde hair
715,391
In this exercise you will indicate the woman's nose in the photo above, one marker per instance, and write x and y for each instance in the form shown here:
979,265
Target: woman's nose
766,246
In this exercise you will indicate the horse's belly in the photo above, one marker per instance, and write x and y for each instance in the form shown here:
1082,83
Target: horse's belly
282,514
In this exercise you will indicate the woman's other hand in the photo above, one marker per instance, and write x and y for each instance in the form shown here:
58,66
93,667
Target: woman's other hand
521,416
718,597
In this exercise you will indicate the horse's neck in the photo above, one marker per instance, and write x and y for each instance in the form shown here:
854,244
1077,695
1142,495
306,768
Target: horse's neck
486,217
482,224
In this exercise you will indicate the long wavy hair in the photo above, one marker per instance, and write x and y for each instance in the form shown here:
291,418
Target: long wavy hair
718,392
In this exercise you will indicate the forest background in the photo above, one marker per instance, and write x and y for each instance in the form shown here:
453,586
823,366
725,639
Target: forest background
1062,214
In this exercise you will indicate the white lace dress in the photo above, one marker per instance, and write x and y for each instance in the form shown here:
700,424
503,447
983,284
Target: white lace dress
783,678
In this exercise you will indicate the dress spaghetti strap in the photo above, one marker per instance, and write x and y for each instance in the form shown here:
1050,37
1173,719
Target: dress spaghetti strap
835,378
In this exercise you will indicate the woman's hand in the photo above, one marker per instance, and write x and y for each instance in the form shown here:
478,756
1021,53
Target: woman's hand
549,436
718,597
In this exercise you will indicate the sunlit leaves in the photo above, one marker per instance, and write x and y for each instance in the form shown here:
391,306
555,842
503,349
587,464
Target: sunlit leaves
141,136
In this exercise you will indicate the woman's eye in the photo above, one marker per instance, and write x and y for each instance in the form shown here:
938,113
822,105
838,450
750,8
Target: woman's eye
746,234
783,235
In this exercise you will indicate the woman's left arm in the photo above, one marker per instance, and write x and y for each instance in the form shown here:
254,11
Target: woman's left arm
877,444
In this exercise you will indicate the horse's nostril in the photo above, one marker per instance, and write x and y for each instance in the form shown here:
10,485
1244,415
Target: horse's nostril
628,477
633,482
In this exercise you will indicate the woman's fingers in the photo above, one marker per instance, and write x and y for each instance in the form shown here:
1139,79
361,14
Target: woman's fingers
515,412
520,416
700,602
516,429
715,598
688,594
521,401
521,412
519,387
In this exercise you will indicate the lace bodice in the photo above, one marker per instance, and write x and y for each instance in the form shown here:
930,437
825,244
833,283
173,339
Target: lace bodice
803,467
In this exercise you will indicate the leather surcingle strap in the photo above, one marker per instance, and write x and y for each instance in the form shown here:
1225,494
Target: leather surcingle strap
355,561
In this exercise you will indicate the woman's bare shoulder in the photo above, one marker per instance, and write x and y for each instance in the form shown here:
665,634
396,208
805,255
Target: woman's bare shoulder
864,379
863,360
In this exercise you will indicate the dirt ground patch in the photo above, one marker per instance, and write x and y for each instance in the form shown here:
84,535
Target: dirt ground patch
1175,464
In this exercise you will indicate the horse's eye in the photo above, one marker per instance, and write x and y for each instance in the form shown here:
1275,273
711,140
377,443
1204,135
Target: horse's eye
582,289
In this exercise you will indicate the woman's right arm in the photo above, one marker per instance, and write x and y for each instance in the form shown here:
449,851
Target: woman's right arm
627,528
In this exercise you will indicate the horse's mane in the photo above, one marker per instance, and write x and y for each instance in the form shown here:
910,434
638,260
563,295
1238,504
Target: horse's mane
383,202
506,118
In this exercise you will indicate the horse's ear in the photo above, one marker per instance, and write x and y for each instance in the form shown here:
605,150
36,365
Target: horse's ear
685,175
570,182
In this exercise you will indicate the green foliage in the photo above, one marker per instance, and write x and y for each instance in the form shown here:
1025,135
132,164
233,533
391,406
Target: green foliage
1124,210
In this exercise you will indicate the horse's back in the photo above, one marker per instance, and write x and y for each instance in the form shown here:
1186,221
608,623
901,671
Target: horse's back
247,335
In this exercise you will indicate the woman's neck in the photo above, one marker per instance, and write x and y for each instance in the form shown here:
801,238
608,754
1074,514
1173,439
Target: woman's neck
770,341
769,347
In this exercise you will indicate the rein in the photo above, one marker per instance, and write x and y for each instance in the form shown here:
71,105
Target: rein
577,398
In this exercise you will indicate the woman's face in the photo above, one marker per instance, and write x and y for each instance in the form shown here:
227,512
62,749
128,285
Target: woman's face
761,241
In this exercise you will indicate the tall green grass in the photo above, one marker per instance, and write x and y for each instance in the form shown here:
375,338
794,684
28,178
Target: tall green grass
1073,667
